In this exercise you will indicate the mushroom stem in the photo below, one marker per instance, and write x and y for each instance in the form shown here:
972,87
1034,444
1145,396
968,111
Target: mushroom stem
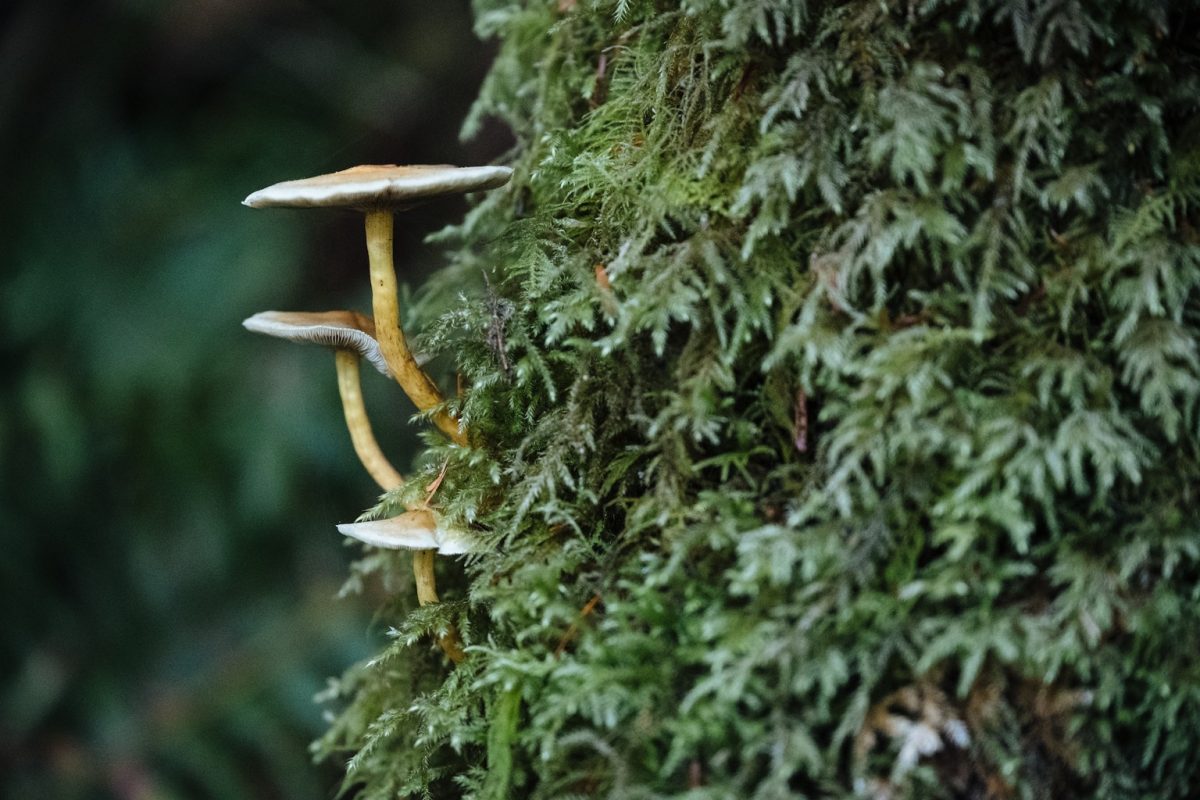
427,595
350,388
385,307
423,572
416,384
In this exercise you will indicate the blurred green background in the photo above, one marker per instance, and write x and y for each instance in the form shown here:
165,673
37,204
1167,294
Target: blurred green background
170,482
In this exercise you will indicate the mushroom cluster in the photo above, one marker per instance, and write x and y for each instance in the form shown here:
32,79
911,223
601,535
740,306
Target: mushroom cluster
378,191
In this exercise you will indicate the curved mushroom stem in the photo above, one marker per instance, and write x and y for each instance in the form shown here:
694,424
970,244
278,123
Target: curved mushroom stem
350,388
416,384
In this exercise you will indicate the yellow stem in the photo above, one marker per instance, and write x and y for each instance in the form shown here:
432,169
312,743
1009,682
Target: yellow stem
350,388
365,444
416,384
423,572
427,594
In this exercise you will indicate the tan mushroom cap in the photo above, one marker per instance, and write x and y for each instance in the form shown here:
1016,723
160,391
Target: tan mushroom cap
412,530
341,330
379,186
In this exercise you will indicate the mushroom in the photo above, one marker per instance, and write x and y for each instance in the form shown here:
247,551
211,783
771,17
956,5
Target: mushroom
413,530
416,529
379,191
352,336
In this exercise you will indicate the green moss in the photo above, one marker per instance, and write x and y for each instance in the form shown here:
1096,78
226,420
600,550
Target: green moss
836,381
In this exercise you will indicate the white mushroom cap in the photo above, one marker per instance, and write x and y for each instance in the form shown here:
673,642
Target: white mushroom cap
379,186
412,530
343,330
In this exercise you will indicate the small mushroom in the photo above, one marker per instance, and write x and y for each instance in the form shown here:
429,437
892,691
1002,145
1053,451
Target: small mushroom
352,336
379,191
417,530
412,530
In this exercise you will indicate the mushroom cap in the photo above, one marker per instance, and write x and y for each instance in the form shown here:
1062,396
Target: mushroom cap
343,330
379,186
412,530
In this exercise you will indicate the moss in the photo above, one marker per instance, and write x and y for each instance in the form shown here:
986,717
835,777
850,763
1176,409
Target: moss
835,378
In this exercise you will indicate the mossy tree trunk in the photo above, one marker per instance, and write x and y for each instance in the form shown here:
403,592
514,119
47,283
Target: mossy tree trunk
835,395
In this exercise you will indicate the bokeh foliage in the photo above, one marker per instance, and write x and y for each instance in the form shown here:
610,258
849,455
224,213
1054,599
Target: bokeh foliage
168,482
835,388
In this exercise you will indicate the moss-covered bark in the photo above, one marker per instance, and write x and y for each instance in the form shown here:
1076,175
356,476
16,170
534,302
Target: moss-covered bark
835,385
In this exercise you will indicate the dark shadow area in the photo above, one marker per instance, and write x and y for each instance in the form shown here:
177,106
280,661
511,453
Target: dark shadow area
169,483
